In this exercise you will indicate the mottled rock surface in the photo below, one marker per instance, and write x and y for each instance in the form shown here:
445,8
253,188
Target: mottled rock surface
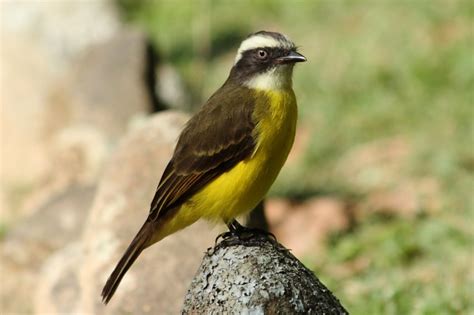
29,244
58,289
105,86
61,28
40,41
256,276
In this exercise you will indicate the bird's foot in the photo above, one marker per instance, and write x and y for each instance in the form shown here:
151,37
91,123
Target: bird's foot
244,236
241,235
246,232
225,236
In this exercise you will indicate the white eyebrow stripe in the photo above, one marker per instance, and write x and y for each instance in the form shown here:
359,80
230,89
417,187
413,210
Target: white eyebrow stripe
258,41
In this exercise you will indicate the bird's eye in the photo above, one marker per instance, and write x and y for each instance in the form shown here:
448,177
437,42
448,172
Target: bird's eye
262,54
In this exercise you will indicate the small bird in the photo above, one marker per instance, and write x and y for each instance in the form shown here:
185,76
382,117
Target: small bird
230,152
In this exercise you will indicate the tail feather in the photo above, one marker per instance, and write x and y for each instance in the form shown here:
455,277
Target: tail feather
139,243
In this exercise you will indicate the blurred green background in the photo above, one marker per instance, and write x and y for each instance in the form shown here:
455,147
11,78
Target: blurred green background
386,102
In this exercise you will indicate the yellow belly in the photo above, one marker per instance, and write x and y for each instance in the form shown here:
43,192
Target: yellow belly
240,190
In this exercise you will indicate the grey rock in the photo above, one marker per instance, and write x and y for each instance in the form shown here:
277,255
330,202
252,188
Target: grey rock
57,222
28,244
105,86
58,288
61,28
83,72
90,109
256,276
26,80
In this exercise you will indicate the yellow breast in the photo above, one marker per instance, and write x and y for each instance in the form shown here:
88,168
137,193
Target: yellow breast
242,188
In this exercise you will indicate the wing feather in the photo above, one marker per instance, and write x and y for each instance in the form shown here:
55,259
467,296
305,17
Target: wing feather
218,137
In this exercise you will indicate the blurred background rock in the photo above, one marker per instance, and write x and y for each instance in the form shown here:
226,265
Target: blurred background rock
376,196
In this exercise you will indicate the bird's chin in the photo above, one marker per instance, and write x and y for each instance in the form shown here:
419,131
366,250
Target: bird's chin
285,68
276,78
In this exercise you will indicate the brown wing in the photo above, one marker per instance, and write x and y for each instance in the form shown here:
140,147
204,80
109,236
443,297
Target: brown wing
218,137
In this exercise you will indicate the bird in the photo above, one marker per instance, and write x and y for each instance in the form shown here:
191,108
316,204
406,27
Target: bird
230,152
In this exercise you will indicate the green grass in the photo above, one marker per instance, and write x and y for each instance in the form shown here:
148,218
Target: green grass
416,267
377,70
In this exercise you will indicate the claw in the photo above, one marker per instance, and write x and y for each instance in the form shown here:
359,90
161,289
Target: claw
247,233
224,236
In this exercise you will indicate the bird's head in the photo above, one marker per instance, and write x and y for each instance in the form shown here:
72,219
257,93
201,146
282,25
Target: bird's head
265,61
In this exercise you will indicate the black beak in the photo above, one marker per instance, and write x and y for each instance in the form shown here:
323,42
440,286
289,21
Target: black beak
292,57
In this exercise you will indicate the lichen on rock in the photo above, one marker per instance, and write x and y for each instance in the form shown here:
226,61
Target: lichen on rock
256,276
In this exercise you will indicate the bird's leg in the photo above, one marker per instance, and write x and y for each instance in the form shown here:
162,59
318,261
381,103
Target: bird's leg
235,231
235,227
243,232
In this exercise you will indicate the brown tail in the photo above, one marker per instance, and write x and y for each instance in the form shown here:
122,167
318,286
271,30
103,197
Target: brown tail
139,243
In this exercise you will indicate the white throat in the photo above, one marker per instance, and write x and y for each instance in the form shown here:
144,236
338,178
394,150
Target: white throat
278,78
